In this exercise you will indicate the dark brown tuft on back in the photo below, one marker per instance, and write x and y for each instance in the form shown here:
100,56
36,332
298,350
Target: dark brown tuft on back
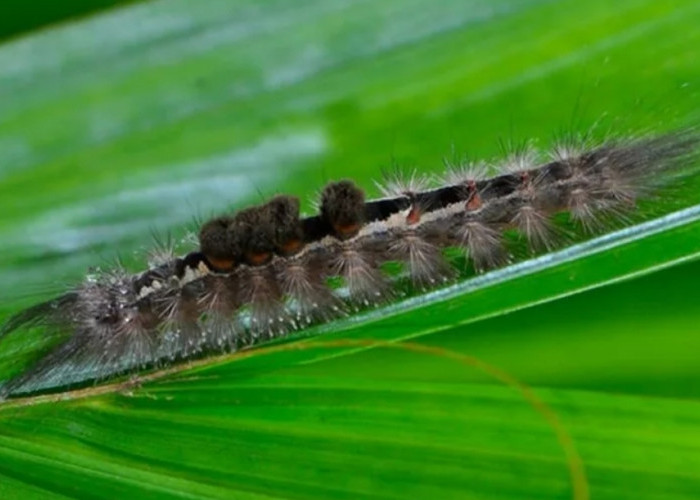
215,243
343,207
253,233
283,215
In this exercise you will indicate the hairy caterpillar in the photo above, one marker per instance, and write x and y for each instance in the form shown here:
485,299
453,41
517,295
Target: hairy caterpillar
265,271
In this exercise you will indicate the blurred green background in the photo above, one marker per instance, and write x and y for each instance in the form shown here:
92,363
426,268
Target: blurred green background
18,17
143,118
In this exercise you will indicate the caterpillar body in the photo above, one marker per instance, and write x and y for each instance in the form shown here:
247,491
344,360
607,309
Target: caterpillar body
265,271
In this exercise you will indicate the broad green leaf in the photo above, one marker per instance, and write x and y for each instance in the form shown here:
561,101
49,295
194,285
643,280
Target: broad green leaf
145,117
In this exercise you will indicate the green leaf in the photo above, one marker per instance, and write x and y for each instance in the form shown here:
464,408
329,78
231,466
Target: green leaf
568,375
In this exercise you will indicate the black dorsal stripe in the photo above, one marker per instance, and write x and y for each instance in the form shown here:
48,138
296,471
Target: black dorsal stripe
376,210
316,227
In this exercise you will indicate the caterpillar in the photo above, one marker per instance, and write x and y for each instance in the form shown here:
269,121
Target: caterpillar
265,270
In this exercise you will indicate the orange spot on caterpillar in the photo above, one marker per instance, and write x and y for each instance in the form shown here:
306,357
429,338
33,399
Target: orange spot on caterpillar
525,178
290,247
258,259
413,216
474,202
346,231
220,264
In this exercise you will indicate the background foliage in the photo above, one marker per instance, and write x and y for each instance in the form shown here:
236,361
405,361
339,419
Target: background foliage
18,17
140,118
